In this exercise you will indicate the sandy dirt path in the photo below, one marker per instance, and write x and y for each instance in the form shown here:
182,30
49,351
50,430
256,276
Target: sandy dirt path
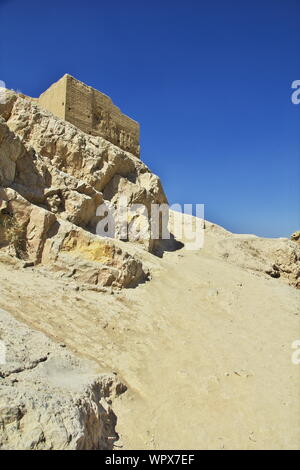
217,370
205,349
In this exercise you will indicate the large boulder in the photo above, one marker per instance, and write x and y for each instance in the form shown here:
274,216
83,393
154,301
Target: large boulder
295,237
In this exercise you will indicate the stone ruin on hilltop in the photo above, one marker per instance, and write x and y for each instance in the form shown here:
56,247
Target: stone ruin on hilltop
92,112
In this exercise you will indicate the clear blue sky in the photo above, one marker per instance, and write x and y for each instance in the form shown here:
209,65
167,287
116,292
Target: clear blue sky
209,82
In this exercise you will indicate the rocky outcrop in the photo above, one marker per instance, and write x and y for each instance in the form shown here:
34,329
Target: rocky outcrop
49,399
11,149
296,237
54,177
69,171
274,257
39,237
277,258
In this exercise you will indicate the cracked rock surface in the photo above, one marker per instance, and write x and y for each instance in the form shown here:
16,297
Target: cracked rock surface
50,399
53,178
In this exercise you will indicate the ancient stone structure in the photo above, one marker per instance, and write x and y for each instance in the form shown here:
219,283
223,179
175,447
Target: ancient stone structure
92,112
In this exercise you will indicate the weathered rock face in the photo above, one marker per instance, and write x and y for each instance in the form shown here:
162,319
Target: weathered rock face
278,258
296,237
60,176
39,237
11,149
62,151
49,399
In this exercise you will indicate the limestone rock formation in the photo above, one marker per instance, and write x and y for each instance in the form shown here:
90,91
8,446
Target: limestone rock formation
210,335
278,258
296,237
60,176
39,237
50,399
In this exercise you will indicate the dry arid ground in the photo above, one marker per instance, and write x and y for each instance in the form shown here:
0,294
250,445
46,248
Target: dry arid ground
143,344
204,347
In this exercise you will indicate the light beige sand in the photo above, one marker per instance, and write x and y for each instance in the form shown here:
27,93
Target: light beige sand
204,347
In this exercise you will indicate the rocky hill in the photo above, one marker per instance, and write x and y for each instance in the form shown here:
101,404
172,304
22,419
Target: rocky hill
53,179
200,339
